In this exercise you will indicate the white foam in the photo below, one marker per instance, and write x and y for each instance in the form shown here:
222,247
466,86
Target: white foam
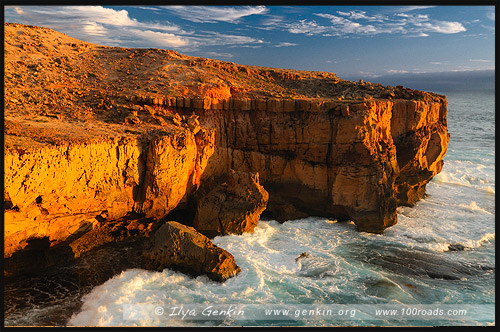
490,190
477,243
472,206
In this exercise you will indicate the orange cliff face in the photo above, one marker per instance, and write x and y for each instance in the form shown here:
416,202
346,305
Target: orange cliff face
61,192
344,159
94,132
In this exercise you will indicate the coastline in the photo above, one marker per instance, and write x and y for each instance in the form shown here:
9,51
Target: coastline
351,228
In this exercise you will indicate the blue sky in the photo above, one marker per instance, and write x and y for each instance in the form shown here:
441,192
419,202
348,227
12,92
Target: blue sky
352,41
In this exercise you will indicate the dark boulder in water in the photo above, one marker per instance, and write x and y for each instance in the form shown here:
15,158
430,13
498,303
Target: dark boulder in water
304,254
456,247
184,249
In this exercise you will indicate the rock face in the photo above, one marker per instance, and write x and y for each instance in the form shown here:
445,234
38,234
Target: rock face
233,207
352,160
174,164
59,191
38,254
184,249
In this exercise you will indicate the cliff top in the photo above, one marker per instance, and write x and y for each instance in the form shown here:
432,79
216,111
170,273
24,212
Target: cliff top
53,81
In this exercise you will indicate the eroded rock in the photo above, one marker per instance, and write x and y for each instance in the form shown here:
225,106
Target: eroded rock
184,249
38,254
233,207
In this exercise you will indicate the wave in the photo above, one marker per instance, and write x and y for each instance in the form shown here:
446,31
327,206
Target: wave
481,183
472,206
477,243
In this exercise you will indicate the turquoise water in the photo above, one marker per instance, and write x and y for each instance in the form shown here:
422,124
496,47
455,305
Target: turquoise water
408,266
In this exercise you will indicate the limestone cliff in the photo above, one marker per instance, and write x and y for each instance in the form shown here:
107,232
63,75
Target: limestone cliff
94,133
62,191
353,160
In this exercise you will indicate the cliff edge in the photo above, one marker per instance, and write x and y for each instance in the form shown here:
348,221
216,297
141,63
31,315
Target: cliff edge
95,133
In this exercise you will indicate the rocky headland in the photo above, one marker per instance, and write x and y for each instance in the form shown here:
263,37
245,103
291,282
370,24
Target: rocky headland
106,145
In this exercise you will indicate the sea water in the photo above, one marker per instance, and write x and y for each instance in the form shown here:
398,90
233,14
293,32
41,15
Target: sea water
408,268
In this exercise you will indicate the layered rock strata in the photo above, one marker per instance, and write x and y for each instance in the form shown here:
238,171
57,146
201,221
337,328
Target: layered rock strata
39,254
352,160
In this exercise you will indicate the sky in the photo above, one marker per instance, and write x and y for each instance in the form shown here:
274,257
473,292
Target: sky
352,41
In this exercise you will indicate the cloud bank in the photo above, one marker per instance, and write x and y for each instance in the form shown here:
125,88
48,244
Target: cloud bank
113,27
359,23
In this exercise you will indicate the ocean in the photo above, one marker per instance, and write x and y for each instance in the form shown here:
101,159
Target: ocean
346,278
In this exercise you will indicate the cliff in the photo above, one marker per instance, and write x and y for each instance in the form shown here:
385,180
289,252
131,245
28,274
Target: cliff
95,133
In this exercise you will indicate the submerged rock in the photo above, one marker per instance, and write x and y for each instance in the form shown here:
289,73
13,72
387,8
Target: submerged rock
182,248
314,266
456,247
304,254
419,262
233,207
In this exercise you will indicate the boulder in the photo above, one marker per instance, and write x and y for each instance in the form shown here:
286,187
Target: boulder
233,207
456,247
184,249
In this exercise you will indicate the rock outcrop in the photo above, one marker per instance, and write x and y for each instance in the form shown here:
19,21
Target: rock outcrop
94,133
184,249
39,254
233,207
353,160
60,191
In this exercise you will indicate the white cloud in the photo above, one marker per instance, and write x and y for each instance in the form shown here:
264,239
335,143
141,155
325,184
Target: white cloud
306,27
354,14
412,8
162,39
83,15
478,60
284,44
442,27
214,14
148,8
94,29
245,46
272,20
396,71
107,26
420,34
491,15
97,14
414,18
361,15
358,23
